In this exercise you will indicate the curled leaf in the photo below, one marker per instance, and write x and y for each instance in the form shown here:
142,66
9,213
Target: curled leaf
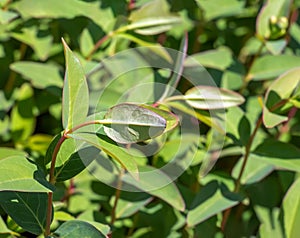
129,123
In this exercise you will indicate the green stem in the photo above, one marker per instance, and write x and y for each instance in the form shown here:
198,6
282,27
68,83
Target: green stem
248,77
52,169
52,181
238,181
99,43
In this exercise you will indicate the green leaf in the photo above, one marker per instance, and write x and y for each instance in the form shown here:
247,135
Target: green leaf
279,154
51,147
255,170
271,66
4,229
154,47
75,92
291,209
40,75
207,97
281,89
6,152
130,203
211,200
201,115
219,59
151,180
22,117
77,229
171,119
152,18
28,210
69,9
270,222
273,8
122,155
130,123
74,165
17,174
7,16
40,45
220,8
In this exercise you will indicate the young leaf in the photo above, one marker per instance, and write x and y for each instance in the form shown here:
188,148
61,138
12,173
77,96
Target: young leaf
75,92
207,97
273,8
281,89
129,123
28,210
17,174
77,229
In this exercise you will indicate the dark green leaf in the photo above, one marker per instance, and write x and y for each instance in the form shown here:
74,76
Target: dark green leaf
77,229
28,210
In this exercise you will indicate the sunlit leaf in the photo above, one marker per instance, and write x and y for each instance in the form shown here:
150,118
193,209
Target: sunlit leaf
39,74
18,174
291,209
75,92
206,97
152,18
271,66
22,115
219,8
130,123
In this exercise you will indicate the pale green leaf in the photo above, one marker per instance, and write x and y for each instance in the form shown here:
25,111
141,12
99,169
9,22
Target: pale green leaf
40,75
291,209
7,16
271,66
18,174
217,59
207,97
220,8
75,92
